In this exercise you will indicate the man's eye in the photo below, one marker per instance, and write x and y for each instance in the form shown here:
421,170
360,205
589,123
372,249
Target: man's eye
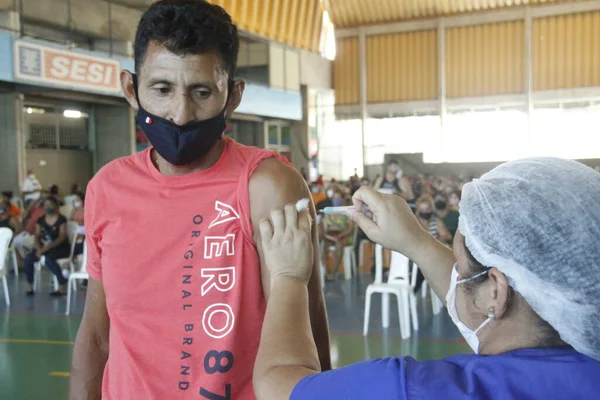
162,90
202,92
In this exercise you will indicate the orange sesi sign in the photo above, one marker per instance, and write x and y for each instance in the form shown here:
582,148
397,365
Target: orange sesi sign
66,68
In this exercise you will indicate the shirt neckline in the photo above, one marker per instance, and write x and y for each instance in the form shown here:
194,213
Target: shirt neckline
181,179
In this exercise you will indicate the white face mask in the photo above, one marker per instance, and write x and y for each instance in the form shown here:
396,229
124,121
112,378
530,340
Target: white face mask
330,193
77,203
469,335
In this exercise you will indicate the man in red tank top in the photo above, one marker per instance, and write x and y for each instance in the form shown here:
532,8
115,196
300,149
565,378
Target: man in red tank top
177,290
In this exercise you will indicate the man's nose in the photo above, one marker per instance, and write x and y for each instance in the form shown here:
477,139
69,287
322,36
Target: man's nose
182,110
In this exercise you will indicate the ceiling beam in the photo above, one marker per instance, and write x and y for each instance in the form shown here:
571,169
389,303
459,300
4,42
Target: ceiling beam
476,18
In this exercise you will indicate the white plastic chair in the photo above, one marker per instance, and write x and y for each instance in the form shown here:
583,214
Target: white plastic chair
72,228
5,237
80,275
349,262
398,284
436,303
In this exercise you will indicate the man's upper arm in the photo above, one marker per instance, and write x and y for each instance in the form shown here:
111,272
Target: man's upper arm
273,185
92,236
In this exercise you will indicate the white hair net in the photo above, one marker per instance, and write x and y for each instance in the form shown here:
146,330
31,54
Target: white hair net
538,221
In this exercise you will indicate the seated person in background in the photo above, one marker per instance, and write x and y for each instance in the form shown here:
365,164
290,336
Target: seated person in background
77,216
14,210
70,199
326,202
432,224
7,220
317,193
32,189
24,241
447,214
50,242
338,232
77,212
55,192
430,221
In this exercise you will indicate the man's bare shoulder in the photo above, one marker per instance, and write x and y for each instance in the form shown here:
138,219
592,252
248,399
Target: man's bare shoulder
274,184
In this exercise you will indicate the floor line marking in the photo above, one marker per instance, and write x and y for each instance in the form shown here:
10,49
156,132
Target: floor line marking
36,341
60,373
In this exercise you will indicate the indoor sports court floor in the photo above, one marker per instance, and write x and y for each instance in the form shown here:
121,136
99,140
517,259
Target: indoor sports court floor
36,338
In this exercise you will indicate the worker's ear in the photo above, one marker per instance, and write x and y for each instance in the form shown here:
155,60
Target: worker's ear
499,292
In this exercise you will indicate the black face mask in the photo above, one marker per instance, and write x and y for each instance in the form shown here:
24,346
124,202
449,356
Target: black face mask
181,145
440,205
426,215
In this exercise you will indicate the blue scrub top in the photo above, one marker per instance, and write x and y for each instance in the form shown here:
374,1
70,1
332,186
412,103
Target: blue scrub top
551,373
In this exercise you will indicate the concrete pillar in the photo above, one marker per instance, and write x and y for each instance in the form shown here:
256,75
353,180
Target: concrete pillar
364,115
114,129
12,142
300,136
10,20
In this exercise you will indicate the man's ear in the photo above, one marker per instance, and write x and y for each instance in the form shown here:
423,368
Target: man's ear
128,89
236,96
499,293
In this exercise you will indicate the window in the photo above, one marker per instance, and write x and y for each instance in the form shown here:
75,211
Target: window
279,136
286,136
50,128
273,135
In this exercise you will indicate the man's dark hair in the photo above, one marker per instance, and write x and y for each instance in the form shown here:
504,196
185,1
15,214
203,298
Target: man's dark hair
53,200
188,27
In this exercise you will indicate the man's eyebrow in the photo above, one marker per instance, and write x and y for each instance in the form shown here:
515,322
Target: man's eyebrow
195,85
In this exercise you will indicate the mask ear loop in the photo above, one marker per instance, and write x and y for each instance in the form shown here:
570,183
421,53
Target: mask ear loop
135,89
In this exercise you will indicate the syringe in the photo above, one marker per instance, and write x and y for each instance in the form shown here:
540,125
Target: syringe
341,210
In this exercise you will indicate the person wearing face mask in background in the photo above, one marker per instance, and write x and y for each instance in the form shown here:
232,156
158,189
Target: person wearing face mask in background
31,188
328,200
432,224
317,194
447,214
430,221
179,222
521,286
51,242
454,200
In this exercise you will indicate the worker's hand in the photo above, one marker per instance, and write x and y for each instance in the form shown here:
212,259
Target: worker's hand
39,253
287,244
389,221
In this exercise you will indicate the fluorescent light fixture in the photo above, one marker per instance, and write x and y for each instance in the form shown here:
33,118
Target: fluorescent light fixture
72,114
34,110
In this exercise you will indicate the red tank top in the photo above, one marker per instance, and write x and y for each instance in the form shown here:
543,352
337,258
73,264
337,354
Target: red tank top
181,275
